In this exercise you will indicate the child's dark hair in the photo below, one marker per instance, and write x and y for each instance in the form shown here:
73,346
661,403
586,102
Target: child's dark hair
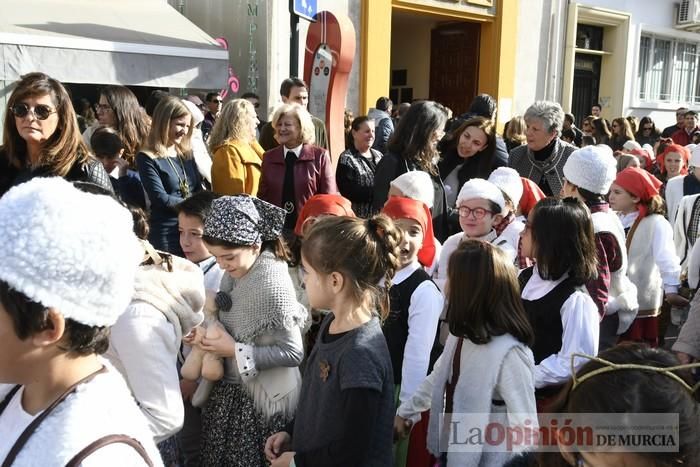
563,240
278,246
198,205
29,318
589,197
365,251
637,391
569,134
106,142
490,305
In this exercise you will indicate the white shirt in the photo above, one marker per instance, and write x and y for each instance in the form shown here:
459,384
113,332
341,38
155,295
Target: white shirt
152,376
581,325
296,151
13,422
423,315
663,250
212,273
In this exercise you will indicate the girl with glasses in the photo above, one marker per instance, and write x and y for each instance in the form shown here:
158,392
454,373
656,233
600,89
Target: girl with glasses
480,205
41,137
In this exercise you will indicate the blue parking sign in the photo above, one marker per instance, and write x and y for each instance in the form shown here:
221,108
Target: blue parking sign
304,8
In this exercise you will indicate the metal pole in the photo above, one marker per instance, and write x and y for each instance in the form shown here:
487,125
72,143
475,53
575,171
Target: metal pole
294,44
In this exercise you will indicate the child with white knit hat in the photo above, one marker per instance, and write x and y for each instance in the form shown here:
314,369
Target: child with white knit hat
588,173
480,204
67,267
417,185
509,182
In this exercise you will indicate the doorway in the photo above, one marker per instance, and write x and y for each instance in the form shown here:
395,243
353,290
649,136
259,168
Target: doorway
454,65
586,85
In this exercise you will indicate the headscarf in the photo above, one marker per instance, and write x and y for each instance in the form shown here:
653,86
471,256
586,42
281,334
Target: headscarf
317,205
244,220
398,207
682,150
531,195
639,183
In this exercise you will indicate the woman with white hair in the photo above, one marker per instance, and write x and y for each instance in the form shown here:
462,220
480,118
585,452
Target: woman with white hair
542,159
295,170
237,156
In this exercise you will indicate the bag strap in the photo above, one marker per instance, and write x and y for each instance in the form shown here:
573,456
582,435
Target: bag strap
452,385
633,229
29,431
106,441
6,401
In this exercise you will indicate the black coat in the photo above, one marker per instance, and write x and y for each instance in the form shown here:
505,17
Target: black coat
393,165
91,171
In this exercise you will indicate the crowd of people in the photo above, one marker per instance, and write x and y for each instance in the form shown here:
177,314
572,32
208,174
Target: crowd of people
184,284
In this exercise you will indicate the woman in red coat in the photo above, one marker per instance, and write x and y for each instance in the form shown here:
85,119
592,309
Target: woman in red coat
296,169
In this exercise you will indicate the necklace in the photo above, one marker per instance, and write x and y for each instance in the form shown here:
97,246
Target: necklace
184,187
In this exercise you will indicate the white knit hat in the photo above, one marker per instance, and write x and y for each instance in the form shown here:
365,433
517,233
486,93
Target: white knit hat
416,185
508,180
631,144
480,188
69,250
592,168
695,157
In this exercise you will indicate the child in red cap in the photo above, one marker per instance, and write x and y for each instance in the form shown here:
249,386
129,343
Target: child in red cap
654,266
416,305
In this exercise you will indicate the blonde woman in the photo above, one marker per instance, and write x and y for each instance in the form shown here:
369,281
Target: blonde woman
295,170
237,156
515,133
168,171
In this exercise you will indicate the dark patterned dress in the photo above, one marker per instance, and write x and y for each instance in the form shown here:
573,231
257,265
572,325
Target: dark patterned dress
355,179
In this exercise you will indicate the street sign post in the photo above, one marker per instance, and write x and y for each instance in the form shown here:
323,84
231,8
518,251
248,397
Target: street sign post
304,8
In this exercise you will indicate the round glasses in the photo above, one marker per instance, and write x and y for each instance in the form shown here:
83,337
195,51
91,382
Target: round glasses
41,111
478,213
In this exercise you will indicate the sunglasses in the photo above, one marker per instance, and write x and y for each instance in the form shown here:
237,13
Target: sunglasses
218,101
41,111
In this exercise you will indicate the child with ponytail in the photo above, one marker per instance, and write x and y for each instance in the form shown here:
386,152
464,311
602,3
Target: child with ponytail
346,407
654,266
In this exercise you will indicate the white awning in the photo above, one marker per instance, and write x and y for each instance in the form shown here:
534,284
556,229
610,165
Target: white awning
128,42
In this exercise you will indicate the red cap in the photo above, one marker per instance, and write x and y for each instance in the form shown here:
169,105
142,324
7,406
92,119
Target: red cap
531,195
398,207
334,205
640,183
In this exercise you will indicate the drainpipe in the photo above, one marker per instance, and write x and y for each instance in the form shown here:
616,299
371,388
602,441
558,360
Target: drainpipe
557,44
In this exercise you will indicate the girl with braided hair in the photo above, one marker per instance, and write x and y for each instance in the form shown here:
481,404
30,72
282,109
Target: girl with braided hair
346,407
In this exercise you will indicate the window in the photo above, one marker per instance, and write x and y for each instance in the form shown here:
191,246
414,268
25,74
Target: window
668,70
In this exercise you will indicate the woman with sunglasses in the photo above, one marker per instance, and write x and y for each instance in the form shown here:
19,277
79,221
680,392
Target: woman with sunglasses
647,133
41,137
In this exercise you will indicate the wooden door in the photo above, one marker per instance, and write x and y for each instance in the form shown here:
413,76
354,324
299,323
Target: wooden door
454,65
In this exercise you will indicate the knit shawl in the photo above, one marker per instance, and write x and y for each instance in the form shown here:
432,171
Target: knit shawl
261,300
523,160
